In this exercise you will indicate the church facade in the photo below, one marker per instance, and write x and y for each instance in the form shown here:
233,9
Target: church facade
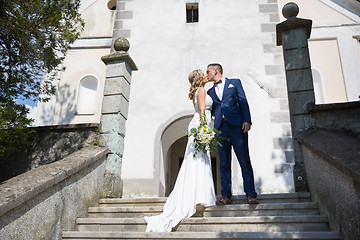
170,38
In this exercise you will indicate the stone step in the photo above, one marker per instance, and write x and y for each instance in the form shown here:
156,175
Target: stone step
233,210
73,235
237,199
213,224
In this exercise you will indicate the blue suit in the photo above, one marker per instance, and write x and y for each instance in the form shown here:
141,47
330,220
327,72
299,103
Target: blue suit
235,109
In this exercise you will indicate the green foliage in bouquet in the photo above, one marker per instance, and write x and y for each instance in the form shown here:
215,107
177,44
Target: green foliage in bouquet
205,138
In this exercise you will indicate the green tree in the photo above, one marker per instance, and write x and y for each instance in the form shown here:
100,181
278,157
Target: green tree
34,38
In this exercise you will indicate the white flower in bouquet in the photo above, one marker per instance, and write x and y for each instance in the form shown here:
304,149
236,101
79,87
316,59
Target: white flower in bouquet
205,138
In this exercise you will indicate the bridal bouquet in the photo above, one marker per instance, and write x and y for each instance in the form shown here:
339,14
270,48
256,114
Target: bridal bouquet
205,138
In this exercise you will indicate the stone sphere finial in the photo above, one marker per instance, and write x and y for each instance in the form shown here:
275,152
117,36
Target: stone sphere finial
290,9
121,44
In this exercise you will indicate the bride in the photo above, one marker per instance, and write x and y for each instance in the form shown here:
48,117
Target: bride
194,184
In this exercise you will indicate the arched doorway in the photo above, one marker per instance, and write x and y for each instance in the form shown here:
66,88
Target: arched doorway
177,151
174,140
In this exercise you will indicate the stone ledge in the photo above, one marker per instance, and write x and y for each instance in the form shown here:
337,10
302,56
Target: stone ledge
337,148
24,187
334,106
66,127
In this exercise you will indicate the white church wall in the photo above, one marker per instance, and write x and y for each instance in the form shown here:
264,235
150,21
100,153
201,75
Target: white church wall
89,64
94,42
240,35
334,83
98,18
166,49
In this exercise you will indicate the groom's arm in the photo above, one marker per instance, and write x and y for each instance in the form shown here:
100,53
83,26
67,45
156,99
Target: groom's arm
244,106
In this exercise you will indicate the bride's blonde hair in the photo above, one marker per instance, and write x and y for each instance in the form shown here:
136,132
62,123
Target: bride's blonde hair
195,79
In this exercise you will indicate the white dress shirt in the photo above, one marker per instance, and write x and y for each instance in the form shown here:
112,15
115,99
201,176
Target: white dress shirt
219,89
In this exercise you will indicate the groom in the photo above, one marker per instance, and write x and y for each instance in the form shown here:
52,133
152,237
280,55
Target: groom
232,118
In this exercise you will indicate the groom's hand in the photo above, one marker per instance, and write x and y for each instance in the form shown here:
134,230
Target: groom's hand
246,127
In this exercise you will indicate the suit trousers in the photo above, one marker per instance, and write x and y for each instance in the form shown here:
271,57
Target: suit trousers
239,141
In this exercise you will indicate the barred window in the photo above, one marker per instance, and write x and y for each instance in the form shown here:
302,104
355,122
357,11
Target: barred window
192,12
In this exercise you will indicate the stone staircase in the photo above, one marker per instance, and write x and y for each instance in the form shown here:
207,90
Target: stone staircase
278,216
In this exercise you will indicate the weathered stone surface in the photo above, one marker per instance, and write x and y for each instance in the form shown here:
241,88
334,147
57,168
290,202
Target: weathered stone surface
300,123
345,157
297,59
120,5
282,143
293,33
274,69
299,102
299,80
279,117
271,48
283,168
117,85
48,144
121,44
278,92
123,32
286,129
117,68
344,116
118,24
268,27
267,8
274,17
113,123
48,199
113,164
115,104
333,171
114,142
115,107
124,14
290,10
300,179
289,156
113,186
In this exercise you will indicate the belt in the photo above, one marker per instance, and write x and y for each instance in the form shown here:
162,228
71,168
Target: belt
223,119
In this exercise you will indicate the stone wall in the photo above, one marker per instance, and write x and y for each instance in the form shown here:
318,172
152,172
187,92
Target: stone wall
326,137
44,201
339,116
48,144
332,165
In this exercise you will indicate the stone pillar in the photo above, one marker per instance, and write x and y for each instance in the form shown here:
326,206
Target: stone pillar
293,35
114,113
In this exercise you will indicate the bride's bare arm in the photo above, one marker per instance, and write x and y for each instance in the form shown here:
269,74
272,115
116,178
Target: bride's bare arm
201,100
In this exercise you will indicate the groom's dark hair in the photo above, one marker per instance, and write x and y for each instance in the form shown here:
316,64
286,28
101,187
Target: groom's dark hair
217,66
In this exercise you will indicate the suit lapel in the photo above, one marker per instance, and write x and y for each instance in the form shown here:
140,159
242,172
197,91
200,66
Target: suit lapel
213,93
226,86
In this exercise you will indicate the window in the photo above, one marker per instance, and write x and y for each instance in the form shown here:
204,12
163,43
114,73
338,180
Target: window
192,12
87,96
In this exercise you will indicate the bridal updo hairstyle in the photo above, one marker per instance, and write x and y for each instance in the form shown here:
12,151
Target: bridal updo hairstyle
195,79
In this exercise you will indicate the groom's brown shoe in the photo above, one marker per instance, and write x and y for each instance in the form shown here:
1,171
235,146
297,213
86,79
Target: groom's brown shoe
223,201
251,200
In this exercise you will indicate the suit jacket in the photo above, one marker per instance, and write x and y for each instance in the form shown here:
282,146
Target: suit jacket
233,106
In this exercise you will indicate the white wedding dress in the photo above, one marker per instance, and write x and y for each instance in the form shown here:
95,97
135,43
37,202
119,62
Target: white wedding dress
194,183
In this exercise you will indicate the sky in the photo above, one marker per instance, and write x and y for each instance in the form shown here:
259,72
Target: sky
32,106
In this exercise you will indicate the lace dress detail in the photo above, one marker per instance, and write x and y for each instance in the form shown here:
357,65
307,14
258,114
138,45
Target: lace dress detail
194,184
